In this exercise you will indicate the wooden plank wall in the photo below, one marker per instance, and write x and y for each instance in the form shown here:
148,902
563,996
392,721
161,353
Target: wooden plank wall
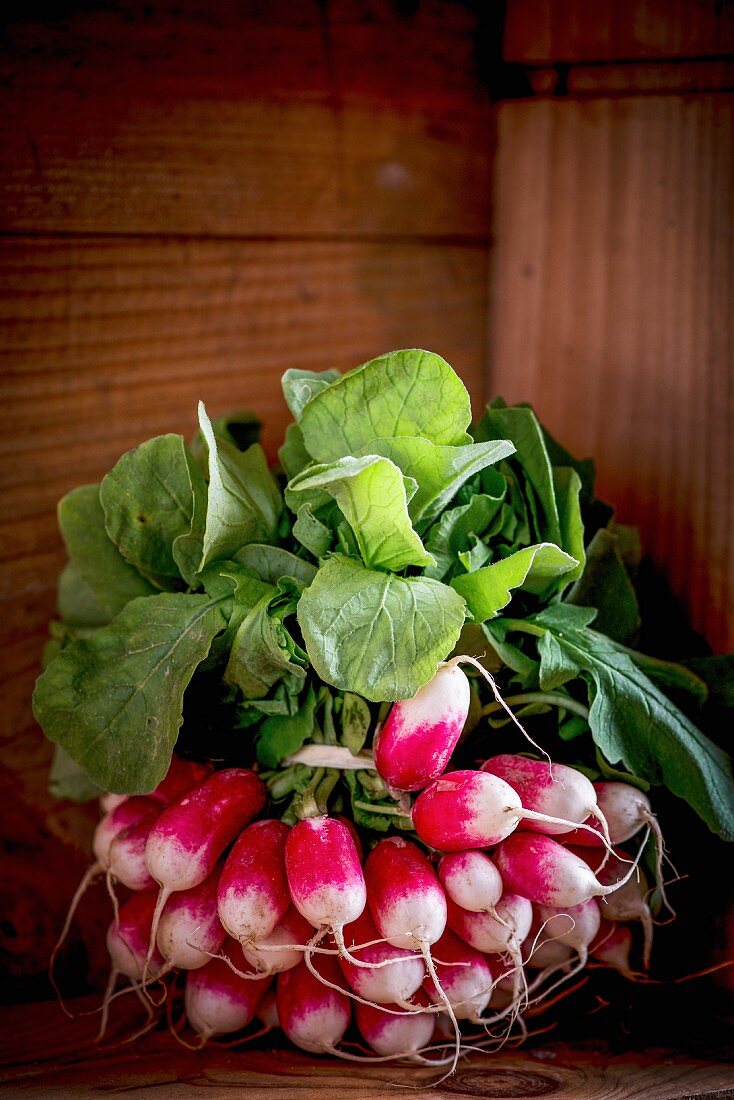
611,281
193,199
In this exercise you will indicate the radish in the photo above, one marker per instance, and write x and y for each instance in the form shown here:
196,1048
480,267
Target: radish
384,984
408,905
267,1013
393,1035
182,776
494,933
126,861
470,809
253,889
325,876
542,870
127,943
574,927
465,977
629,901
312,1015
122,814
189,930
218,1001
626,809
352,832
560,792
283,948
420,734
108,800
471,880
191,834
613,947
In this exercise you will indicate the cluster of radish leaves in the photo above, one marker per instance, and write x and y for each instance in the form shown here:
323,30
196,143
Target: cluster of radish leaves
298,603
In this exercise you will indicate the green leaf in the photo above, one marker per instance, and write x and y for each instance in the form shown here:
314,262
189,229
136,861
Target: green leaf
355,722
605,585
567,489
375,634
452,532
272,562
292,454
299,386
371,496
670,675
244,503
240,428
533,569
634,724
98,582
311,532
520,425
67,780
283,734
76,601
263,651
188,548
240,591
114,701
439,471
148,503
412,392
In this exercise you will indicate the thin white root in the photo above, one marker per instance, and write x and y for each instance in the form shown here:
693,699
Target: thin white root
426,949
87,879
465,659
111,983
109,880
163,895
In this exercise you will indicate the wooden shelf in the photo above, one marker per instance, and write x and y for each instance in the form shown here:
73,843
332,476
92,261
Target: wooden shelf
44,1054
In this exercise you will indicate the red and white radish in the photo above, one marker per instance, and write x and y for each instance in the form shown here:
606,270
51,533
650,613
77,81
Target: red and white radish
253,889
383,984
284,947
191,834
471,880
613,948
218,1001
189,931
469,809
126,861
182,776
465,977
393,1034
541,869
312,1015
629,901
324,875
128,937
420,734
559,792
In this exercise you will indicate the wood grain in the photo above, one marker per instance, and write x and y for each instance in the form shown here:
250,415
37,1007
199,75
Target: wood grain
241,120
613,30
611,304
45,1054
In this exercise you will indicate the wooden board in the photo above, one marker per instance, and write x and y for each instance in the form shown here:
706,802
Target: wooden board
612,30
611,303
242,120
47,1055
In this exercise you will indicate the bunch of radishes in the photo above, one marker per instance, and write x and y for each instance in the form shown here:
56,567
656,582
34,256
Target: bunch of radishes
511,884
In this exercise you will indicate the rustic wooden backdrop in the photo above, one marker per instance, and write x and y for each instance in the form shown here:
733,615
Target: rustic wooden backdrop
194,198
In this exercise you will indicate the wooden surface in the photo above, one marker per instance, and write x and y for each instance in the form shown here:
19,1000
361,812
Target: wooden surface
612,281
44,1054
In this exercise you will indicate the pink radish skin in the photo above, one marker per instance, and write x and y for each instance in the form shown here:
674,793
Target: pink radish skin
124,814
387,984
267,1013
467,983
490,933
182,776
108,800
542,870
543,952
420,734
352,832
471,880
189,931
391,1034
406,899
191,834
253,889
127,854
575,927
324,874
127,941
468,809
218,1001
558,791
275,952
313,1016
